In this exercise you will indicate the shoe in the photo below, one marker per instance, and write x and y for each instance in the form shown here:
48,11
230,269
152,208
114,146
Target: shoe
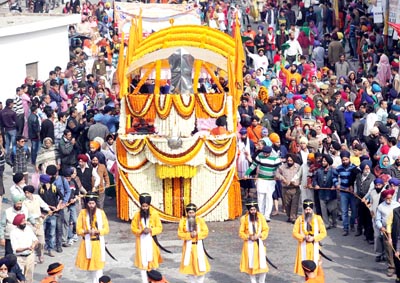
345,233
75,238
371,242
274,213
390,273
340,218
50,253
352,229
289,220
293,221
359,233
268,220
66,245
70,242
59,249
378,258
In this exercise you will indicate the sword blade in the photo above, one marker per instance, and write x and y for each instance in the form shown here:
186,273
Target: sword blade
160,246
325,256
205,251
270,263
109,253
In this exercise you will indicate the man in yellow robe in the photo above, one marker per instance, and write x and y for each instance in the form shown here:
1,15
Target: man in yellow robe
253,230
193,230
145,224
308,230
92,225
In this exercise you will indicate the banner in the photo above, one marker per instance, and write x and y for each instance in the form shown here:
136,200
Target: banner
154,16
394,16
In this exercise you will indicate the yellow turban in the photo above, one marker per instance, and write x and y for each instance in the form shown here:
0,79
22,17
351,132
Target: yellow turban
95,144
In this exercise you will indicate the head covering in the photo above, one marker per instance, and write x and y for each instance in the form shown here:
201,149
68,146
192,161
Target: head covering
18,198
308,203
18,177
95,144
252,203
105,279
290,107
328,159
155,277
307,109
266,149
145,198
243,131
51,170
303,140
191,206
98,117
308,265
365,163
311,156
394,181
336,145
374,130
274,138
324,86
344,153
348,103
29,188
378,181
83,157
381,161
386,193
11,260
91,197
18,219
44,179
55,268
264,131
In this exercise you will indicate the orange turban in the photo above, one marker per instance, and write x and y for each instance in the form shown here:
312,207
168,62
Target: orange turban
274,138
95,144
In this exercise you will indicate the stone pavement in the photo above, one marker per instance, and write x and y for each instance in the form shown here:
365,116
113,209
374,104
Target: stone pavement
354,258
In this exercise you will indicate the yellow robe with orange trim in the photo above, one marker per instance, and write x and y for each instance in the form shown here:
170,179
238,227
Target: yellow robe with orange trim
94,263
244,234
298,269
202,232
156,229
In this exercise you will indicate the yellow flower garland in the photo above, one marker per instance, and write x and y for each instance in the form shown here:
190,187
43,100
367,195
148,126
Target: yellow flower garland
175,159
178,171
141,105
203,210
164,111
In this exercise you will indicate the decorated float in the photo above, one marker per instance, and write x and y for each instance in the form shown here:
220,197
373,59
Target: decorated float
162,147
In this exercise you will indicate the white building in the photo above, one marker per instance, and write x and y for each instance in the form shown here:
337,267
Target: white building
32,44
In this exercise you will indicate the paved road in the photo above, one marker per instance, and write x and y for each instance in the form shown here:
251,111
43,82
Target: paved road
354,257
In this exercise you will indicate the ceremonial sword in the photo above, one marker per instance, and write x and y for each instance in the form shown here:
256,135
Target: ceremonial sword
266,257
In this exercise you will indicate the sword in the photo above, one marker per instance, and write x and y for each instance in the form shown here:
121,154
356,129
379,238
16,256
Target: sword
325,256
109,253
266,257
205,251
160,246
192,225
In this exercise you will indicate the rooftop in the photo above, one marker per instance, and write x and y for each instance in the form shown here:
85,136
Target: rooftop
13,24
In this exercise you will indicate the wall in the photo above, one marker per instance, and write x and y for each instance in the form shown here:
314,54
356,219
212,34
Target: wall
45,42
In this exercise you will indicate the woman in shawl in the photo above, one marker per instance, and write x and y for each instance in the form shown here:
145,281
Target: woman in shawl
384,72
383,166
304,42
320,110
48,155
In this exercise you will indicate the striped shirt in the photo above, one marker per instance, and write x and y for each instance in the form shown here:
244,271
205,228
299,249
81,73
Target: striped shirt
267,166
344,176
18,108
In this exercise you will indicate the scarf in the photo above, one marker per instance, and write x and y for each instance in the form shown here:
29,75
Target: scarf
303,246
88,242
146,245
200,251
250,246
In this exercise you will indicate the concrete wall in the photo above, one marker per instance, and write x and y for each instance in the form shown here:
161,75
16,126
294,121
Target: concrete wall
28,39
48,47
